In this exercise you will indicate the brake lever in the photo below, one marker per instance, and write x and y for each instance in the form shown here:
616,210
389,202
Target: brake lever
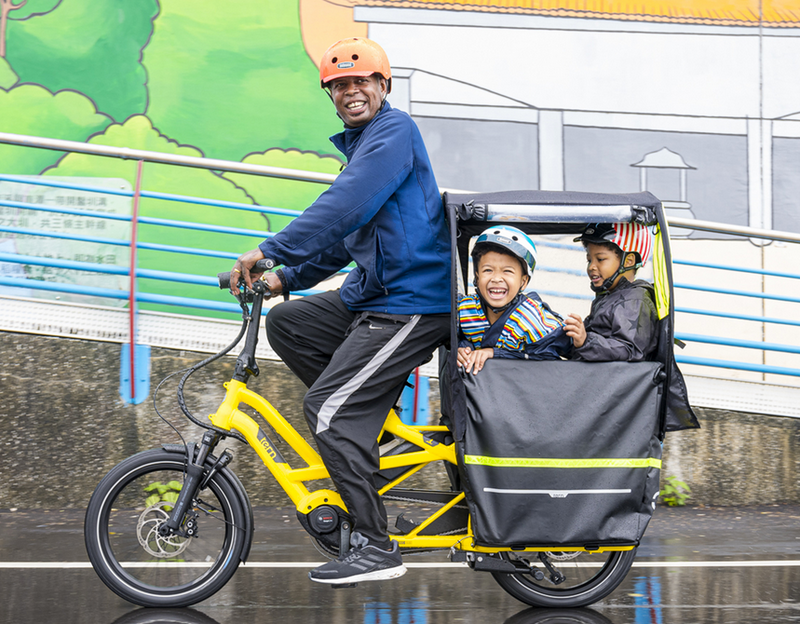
246,294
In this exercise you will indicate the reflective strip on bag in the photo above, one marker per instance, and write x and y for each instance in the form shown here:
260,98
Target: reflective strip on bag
543,462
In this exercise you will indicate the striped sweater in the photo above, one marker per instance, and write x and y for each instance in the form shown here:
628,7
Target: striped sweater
530,321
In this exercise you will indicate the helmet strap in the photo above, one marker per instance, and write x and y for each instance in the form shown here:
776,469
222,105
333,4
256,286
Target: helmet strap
486,304
605,287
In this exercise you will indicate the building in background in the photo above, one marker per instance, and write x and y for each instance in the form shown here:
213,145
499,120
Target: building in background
572,95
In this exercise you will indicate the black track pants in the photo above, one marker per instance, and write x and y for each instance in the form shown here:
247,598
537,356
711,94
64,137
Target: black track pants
355,365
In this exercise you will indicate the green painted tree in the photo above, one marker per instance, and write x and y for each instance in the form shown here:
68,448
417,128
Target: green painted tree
8,77
33,110
233,78
138,133
26,8
91,47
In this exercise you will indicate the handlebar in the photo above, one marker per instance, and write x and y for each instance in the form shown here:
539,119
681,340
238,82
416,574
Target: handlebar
246,365
261,266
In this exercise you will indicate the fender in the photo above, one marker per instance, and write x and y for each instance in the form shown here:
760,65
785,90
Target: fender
244,499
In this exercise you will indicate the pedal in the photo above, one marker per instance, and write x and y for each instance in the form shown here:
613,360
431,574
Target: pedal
555,576
404,525
344,538
345,586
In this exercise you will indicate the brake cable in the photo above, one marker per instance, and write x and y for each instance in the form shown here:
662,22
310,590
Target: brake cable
246,319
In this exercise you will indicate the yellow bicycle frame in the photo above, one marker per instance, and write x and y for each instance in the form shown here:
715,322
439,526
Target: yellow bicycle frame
229,417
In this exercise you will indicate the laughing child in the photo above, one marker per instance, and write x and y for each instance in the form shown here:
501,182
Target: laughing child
500,320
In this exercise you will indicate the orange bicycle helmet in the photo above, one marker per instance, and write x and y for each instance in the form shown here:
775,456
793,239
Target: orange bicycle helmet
356,56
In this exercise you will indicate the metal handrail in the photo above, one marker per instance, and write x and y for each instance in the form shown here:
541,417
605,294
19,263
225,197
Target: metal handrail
739,317
299,175
185,199
723,267
740,293
321,178
743,366
165,159
733,342
735,230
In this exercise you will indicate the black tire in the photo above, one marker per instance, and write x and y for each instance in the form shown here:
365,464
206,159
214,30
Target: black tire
589,577
130,557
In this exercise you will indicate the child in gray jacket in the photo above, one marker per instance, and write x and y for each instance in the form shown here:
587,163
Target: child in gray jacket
621,325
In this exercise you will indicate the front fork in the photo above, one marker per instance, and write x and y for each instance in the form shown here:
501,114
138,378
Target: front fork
194,482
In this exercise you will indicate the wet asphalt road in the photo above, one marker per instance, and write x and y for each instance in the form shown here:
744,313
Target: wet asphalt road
703,565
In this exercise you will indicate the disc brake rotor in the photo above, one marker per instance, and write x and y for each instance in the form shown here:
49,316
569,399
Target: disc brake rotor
155,544
563,556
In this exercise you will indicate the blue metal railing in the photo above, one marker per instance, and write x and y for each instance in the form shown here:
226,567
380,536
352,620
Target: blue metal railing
218,306
716,340
186,302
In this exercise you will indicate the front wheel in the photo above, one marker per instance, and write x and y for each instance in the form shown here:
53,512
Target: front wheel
587,577
145,567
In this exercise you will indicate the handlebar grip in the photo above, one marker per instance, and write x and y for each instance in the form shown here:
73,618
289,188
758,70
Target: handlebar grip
262,265
224,280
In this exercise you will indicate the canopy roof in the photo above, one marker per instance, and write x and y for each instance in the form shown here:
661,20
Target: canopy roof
551,212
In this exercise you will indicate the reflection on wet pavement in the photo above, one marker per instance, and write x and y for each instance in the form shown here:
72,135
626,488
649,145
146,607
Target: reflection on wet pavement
663,587
423,596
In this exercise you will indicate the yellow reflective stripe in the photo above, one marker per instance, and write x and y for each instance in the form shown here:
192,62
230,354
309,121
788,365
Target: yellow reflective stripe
660,281
543,462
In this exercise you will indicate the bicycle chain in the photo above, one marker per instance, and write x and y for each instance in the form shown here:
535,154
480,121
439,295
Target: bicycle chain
394,497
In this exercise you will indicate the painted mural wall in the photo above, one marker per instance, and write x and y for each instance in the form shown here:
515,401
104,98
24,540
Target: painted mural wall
695,100
228,80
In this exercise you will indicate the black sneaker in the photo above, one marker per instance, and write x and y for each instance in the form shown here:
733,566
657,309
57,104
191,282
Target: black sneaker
361,563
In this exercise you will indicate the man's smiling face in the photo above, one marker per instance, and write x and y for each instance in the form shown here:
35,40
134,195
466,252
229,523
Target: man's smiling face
358,98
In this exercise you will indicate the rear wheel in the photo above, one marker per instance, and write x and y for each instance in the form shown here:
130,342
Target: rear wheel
588,577
145,567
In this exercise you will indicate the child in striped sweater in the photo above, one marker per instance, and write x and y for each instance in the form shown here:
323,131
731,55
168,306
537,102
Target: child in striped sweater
500,320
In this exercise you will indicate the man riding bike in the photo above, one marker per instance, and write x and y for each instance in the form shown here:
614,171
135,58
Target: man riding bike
354,347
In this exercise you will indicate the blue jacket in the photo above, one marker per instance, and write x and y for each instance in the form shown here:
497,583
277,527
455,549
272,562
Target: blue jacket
384,213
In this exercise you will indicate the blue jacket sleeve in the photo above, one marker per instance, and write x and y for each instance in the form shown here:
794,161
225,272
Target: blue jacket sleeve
381,162
313,271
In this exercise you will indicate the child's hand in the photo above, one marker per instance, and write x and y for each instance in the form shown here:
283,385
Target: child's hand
476,360
463,355
574,328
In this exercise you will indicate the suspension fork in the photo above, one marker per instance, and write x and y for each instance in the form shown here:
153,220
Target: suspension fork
194,477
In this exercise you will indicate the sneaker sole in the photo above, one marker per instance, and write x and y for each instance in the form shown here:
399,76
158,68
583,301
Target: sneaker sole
378,575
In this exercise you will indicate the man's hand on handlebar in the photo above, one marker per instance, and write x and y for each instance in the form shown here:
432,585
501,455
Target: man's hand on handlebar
246,269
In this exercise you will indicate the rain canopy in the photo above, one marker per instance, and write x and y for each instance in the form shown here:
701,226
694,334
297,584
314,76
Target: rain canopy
562,452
